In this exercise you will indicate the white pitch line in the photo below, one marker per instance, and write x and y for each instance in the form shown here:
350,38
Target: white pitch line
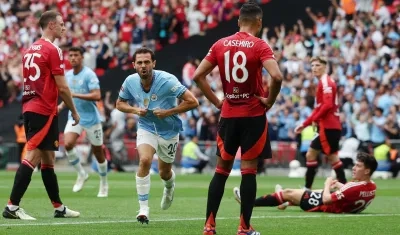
198,219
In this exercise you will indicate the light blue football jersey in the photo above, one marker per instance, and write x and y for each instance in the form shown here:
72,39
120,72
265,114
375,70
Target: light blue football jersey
162,95
82,83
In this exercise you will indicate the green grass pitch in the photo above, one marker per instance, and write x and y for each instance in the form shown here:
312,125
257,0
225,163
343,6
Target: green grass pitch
116,214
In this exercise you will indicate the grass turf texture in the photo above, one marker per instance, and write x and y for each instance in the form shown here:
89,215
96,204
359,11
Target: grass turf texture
117,213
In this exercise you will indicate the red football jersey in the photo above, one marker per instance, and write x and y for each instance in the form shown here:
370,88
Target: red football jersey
326,114
41,62
353,197
240,60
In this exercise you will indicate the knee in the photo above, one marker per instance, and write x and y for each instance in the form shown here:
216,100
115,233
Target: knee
311,156
69,145
287,194
165,174
145,162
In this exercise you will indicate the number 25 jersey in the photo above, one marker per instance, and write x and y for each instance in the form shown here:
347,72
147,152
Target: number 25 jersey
240,60
41,62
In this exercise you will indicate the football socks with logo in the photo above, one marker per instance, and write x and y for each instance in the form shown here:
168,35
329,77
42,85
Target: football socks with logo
50,182
248,190
143,190
21,182
215,193
75,162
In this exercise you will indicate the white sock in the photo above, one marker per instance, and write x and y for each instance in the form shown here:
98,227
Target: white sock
75,162
60,208
12,207
169,183
143,190
102,167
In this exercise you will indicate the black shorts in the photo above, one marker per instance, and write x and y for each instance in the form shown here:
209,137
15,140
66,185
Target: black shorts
311,201
248,133
327,141
41,131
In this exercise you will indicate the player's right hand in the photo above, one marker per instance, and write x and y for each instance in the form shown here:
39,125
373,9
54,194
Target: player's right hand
299,129
141,112
59,108
76,118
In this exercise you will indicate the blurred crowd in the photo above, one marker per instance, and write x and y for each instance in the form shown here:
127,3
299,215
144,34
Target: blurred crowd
359,37
109,30
361,41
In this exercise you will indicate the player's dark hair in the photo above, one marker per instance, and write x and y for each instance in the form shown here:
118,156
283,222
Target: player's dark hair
144,50
368,160
320,59
47,17
77,49
250,12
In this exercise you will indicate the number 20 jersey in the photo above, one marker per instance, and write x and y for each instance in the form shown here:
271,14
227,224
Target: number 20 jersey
41,62
240,60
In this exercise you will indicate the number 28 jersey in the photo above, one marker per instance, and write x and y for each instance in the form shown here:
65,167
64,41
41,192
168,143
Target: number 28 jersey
240,60
41,62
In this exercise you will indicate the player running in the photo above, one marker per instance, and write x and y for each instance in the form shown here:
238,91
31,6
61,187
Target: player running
43,72
156,93
240,59
85,88
326,115
352,197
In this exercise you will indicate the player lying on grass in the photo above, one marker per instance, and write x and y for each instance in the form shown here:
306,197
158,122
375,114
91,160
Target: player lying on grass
352,197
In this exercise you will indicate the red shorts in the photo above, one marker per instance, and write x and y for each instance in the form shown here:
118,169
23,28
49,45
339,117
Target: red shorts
248,133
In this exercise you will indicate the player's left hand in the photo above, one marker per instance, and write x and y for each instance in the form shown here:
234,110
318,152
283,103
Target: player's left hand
265,102
161,113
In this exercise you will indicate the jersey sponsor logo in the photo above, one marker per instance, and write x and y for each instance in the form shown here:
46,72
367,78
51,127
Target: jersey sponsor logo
26,93
237,96
236,90
238,43
146,103
153,97
94,80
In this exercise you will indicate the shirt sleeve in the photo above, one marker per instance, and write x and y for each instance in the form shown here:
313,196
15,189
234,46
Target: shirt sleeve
265,52
93,81
326,105
56,61
124,92
212,55
175,87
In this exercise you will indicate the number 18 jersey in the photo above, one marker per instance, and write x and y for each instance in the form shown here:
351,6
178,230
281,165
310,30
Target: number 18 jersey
240,60
41,62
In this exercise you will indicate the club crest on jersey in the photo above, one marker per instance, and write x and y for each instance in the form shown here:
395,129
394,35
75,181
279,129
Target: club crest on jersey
236,90
339,195
153,97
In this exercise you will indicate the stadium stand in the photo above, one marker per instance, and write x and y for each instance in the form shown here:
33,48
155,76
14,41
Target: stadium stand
361,40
